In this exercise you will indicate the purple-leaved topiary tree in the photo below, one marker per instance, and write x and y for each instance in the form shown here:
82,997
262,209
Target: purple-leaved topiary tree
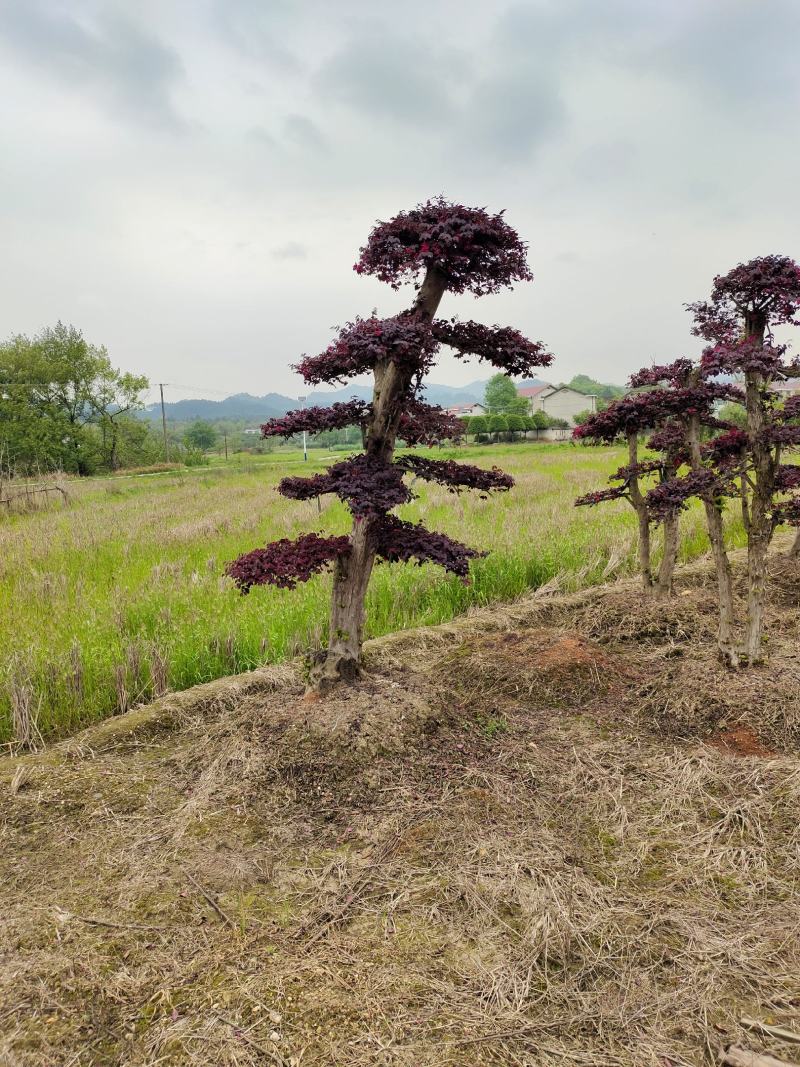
743,363
628,418
444,248
745,305
666,414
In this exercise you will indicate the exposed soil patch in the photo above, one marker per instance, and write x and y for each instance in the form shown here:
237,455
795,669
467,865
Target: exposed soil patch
522,839
740,741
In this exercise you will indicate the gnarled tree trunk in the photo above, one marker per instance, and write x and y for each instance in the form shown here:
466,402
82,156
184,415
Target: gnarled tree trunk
760,525
350,581
342,659
666,570
639,505
726,634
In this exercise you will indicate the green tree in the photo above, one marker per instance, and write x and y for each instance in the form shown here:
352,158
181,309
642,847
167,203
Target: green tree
139,444
32,431
584,384
478,425
501,397
56,388
735,413
539,421
201,435
114,397
516,423
498,424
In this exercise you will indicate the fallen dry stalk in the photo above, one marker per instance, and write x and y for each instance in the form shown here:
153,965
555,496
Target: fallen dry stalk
242,1034
90,921
210,899
780,1032
734,1056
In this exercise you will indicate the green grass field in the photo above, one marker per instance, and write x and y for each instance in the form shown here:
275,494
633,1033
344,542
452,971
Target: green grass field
121,594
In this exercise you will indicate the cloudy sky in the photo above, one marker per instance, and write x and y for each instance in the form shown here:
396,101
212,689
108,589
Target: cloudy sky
188,181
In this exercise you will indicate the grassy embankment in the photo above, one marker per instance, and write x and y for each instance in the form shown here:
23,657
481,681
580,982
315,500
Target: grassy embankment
121,594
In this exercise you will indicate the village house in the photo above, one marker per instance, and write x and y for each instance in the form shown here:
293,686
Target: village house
461,410
558,401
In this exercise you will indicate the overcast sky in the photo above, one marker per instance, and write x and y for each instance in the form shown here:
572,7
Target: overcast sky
188,181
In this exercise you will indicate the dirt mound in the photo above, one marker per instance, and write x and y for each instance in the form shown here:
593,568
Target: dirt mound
554,833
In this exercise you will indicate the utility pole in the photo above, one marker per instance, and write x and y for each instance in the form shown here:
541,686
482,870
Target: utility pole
225,436
302,400
164,422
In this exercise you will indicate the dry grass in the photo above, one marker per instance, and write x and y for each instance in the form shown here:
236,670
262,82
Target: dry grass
502,848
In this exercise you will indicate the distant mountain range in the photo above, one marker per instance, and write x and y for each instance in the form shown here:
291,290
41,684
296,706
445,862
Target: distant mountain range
255,409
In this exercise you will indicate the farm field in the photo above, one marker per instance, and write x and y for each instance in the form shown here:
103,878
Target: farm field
121,595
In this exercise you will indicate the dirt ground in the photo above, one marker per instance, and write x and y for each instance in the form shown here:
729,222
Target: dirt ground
557,832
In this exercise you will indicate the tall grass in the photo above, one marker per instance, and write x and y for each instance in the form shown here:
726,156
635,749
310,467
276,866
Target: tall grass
121,595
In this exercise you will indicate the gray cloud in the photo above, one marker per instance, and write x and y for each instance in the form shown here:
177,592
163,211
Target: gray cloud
547,34
742,51
639,146
121,66
301,131
512,114
389,77
263,137
291,250
258,30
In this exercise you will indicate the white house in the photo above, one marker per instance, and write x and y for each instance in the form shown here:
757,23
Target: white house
558,401
460,410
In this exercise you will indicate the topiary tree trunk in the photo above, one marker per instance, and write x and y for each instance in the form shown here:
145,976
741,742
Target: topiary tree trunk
353,571
726,633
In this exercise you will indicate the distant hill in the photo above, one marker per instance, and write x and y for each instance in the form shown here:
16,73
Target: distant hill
604,390
255,409
238,407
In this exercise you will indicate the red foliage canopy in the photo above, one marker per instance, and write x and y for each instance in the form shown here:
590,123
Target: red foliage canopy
638,412
677,373
501,346
475,251
406,340
367,485
765,290
400,541
317,419
420,423
673,494
740,357
456,476
285,563
427,424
